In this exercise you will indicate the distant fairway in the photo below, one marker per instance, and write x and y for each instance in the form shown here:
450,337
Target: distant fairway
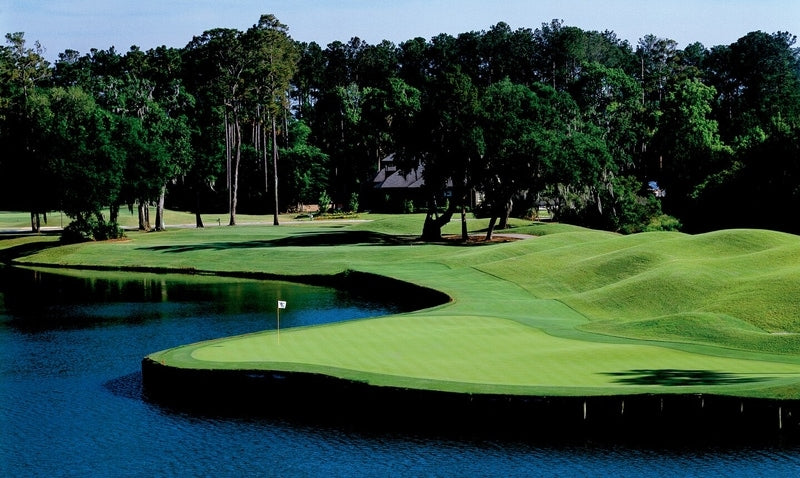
570,312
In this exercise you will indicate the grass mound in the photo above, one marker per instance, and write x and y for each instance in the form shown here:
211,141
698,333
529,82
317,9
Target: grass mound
673,286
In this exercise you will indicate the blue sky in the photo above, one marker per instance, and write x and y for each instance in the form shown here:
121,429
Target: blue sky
85,24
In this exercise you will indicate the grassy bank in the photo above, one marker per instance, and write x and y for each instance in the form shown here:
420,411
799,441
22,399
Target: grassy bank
569,312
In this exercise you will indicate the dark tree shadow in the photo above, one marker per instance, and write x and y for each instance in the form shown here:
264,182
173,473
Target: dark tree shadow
312,239
677,378
9,254
302,239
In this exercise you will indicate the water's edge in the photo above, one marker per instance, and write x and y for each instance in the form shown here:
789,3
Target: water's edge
330,399
363,284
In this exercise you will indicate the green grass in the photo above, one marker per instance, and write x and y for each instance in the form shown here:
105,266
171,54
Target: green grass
571,312
128,219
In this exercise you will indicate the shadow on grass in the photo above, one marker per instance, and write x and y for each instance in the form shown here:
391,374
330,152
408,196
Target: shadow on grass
305,239
679,378
9,254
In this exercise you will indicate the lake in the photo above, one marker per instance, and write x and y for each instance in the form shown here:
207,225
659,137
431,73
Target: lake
71,400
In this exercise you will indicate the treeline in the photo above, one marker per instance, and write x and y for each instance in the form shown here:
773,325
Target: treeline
600,132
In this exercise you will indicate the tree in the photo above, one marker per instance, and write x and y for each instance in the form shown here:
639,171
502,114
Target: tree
375,64
445,138
306,167
273,63
336,121
90,164
659,59
757,105
218,65
413,63
688,140
518,125
610,102
558,57
757,78
143,89
583,175
308,84
23,71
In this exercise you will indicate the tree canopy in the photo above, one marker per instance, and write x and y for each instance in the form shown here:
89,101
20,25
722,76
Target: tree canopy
500,122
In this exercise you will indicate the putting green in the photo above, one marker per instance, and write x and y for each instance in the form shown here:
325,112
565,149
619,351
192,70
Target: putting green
480,355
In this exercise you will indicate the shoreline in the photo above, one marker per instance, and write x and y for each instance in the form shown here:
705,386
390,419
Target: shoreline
335,401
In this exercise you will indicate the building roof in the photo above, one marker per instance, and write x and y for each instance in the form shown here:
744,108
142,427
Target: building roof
389,177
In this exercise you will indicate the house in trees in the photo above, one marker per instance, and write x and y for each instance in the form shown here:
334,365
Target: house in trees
396,190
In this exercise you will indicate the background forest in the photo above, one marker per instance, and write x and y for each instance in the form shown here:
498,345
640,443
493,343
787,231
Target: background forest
600,132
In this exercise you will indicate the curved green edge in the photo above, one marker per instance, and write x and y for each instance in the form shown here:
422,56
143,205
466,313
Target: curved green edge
561,315
480,355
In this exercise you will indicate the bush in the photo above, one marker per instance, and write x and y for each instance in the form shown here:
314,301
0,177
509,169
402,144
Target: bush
353,203
324,202
639,210
663,222
76,231
107,230
91,229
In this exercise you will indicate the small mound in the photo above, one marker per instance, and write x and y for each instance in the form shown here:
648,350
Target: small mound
700,328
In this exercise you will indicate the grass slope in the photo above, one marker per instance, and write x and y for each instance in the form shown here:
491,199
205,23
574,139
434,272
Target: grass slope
571,312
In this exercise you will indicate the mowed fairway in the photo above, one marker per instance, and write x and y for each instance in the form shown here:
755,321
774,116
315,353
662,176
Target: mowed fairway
570,312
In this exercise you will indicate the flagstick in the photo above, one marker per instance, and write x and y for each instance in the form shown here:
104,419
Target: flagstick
281,305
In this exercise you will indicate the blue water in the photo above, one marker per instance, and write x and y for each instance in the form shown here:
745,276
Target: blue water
71,401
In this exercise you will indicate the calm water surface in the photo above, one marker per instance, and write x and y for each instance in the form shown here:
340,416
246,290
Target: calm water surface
71,401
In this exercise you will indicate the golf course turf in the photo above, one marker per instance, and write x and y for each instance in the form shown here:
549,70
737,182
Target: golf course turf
568,312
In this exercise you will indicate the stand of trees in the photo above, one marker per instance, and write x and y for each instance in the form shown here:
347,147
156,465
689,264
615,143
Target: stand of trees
579,121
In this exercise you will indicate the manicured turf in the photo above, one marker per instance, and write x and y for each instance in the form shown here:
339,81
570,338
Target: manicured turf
570,312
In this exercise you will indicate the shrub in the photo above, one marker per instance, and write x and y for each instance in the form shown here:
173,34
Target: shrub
663,222
353,203
324,202
88,229
77,231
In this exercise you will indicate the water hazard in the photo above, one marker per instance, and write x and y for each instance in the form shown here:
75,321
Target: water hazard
71,402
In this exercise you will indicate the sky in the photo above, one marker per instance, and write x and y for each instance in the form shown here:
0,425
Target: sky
85,24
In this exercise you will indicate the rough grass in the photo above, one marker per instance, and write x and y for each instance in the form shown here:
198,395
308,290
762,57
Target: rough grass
570,312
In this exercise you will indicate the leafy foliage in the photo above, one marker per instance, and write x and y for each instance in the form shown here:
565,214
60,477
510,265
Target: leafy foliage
576,121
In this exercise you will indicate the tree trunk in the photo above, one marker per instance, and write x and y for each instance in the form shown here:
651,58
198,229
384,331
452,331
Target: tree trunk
198,221
432,228
144,216
490,229
275,169
265,157
228,156
237,139
160,209
36,224
464,233
113,214
506,213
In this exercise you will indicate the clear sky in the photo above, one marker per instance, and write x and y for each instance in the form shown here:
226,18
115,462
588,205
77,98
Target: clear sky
85,24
